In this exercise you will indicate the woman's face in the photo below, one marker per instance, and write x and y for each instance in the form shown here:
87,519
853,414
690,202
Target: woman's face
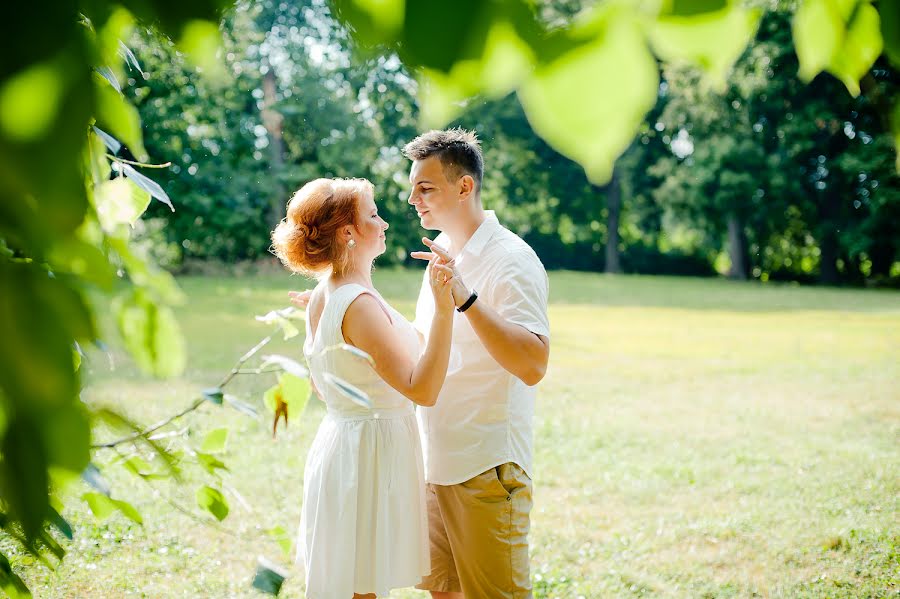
370,228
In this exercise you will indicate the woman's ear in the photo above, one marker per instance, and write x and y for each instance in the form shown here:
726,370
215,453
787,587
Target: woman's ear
466,187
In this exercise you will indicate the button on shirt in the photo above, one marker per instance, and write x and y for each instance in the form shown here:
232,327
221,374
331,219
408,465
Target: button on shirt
484,415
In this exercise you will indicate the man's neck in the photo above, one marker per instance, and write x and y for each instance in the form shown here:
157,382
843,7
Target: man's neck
463,231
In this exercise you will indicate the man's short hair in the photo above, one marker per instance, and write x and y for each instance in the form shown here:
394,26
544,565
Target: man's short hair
458,150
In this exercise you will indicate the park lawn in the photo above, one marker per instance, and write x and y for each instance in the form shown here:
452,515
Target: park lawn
694,438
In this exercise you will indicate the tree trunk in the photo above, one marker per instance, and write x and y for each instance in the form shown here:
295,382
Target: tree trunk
737,248
273,123
829,245
613,208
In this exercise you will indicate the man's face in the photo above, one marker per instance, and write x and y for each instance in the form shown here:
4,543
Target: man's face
436,200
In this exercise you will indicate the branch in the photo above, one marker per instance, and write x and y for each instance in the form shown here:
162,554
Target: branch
197,402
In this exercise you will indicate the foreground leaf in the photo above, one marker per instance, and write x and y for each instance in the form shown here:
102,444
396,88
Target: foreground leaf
269,577
212,501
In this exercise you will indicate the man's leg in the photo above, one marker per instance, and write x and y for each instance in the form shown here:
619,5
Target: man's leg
487,522
442,582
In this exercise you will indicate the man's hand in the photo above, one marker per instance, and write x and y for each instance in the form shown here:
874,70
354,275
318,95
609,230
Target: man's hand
441,256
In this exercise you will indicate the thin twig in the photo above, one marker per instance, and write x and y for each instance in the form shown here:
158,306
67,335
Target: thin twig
197,403
143,164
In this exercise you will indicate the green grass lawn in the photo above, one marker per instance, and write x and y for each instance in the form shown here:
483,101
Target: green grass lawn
694,438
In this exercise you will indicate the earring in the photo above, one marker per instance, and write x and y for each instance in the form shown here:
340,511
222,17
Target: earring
351,244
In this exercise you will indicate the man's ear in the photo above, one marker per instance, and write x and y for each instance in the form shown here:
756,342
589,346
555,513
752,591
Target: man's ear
466,187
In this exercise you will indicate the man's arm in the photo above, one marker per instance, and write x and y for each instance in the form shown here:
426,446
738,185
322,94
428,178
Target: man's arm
519,351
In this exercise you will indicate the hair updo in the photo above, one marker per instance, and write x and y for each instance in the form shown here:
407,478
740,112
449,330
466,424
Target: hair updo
306,240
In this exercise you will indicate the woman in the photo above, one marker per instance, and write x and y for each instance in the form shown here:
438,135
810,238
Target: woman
363,526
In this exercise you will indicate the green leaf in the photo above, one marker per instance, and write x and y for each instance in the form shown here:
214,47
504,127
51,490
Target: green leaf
75,256
862,46
60,523
23,474
128,510
712,41
687,8
147,184
352,393
269,397
269,577
212,500
10,583
213,395
201,42
210,463
374,22
151,334
67,436
137,465
287,364
241,406
280,536
890,29
101,505
215,441
295,391
30,101
589,102
115,114
818,30
120,201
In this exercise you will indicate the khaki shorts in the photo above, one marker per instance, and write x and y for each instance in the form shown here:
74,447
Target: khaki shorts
479,535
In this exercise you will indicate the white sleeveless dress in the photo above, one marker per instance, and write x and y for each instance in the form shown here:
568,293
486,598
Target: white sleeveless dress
363,524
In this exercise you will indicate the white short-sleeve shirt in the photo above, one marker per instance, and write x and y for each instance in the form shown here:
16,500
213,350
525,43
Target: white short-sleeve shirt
484,415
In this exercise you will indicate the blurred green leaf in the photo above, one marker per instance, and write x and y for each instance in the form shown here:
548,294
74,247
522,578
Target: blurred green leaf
713,41
215,441
144,274
890,29
151,334
269,577
212,500
103,507
287,364
29,102
137,465
23,474
75,256
280,536
60,523
115,114
373,22
10,583
589,118
687,8
269,399
862,46
201,42
67,436
241,406
120,201
213,395
295,392
210,463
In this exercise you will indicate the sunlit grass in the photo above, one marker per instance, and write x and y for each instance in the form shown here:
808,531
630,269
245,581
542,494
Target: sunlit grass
693,438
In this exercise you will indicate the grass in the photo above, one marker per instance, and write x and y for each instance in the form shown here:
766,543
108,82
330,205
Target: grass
694,438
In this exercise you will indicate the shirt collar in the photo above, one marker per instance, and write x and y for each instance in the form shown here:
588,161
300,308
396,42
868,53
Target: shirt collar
482,234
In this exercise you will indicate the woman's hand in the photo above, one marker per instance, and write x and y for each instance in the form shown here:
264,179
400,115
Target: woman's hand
440,277
440,256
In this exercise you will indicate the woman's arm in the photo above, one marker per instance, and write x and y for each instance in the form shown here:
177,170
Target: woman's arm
366,326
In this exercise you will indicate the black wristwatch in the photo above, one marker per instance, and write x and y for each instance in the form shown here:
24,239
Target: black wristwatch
469,302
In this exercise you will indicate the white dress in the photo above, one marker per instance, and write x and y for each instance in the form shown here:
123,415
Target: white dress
363,524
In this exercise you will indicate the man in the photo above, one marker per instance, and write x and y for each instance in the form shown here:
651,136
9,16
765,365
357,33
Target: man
478,437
